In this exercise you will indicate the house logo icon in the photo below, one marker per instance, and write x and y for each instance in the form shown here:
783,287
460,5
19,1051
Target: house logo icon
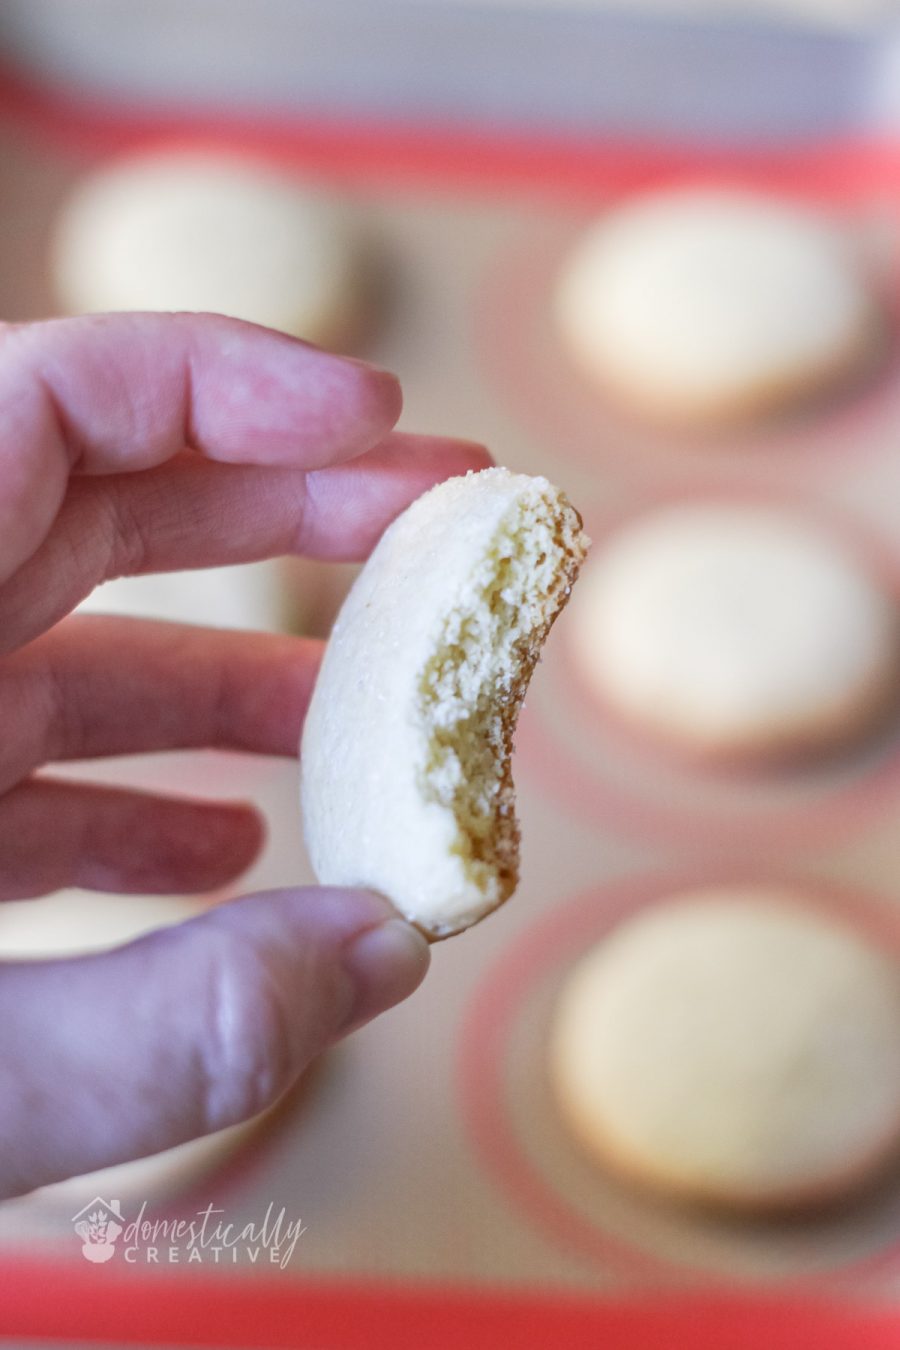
98,1225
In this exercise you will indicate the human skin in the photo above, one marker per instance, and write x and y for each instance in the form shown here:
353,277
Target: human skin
141,443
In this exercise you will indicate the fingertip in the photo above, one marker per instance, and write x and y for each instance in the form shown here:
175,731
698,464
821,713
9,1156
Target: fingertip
386,964
209,846
439,457
371,402
293,971
368,957
475,452
387,393
261,396
461,457
479,455
243,832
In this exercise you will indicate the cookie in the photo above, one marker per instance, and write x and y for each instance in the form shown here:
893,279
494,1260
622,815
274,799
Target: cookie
735,1047
702,306
405,757
210,232
736,631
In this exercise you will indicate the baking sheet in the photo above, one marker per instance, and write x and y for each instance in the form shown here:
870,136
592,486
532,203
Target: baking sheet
712,73
384,1156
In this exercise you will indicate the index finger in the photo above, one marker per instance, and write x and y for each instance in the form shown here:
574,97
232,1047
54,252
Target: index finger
116,393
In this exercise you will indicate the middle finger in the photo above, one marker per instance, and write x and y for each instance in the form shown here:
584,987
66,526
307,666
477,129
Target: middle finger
99,685
191,513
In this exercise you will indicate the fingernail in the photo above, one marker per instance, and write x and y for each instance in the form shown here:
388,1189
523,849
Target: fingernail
385,964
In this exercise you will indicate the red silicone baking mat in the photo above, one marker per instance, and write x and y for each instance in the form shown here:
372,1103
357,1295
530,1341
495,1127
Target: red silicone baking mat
435,157
333,1316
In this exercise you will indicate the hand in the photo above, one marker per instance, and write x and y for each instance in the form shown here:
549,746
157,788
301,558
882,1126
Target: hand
141,443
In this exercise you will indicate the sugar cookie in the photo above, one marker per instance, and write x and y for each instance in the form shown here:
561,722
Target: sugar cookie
206,232
736,630
704,305
733,1046
406,750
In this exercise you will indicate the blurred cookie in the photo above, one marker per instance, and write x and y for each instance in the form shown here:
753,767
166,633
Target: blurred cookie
705,305
733,1046
736,631
206,232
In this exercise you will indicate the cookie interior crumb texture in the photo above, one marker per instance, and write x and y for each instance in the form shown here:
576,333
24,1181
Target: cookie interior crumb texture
407,783
472,688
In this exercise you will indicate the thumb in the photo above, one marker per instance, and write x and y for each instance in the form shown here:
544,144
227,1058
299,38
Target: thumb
109,1057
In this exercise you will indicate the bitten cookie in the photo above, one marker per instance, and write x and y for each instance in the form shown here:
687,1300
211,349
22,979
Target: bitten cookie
736,631
734,1047
701,306
206,232
405,758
